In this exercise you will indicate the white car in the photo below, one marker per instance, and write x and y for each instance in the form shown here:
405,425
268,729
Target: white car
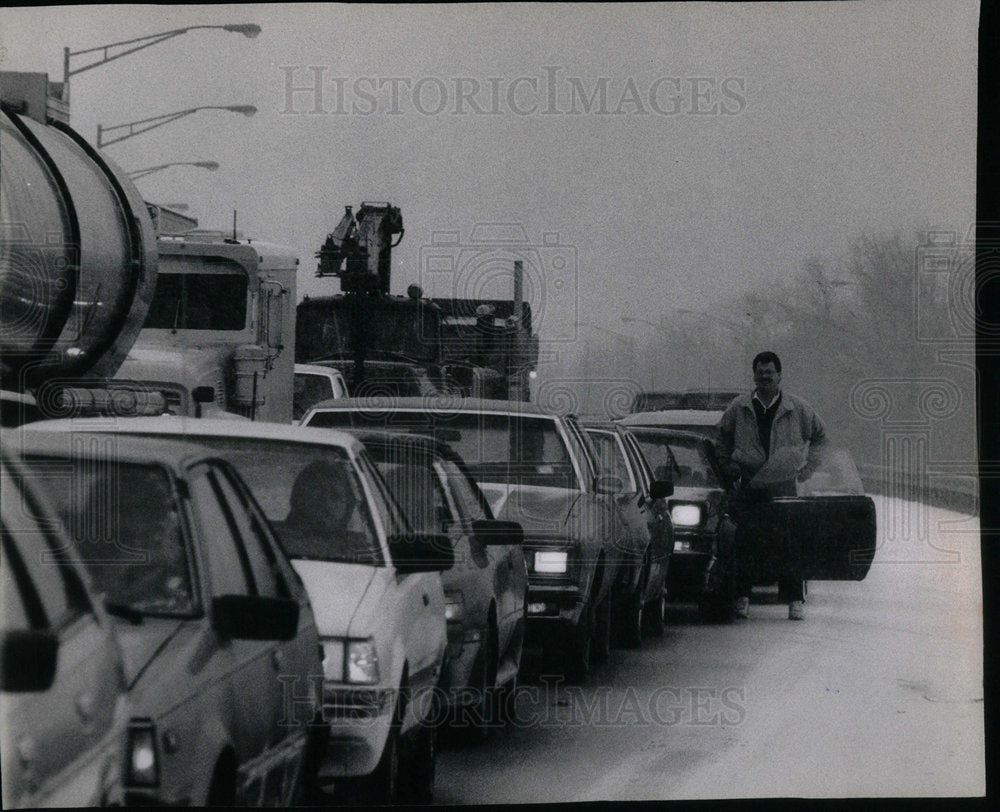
375,589
313,383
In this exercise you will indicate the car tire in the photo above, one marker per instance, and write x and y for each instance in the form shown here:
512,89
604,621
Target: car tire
628,628
505,701
654,619
600,647
576,655
475,720
222,791
310,789
417,763
383,785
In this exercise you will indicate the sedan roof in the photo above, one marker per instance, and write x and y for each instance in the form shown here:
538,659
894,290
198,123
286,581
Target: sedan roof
123,449
674,417
443,403
190,428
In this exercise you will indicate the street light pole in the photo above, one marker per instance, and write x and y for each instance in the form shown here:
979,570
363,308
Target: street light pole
211,166
165,118
249,30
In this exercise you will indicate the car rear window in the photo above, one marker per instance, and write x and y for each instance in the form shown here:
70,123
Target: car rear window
511,448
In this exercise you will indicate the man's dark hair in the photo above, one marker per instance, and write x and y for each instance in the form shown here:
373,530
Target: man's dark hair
767,357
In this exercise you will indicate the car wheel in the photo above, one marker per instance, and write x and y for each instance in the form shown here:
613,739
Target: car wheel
310,791
654,619
629,616
383,785
417,765
576,659
505,702
475,720
600,647
222,792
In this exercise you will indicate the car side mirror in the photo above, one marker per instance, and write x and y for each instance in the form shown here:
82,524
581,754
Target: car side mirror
29,658
610,484
421,552
254,617
496,531
661,488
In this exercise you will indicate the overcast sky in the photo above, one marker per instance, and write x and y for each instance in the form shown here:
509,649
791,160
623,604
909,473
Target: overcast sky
654,156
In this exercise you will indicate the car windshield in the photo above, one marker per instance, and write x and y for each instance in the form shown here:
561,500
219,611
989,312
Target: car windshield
311,495
651,401
708,399
125,524
510,448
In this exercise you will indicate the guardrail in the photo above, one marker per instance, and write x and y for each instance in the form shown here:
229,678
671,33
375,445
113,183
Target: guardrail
958,492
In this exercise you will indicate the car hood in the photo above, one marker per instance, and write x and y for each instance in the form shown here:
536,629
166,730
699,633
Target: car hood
141,644
537,508
336,590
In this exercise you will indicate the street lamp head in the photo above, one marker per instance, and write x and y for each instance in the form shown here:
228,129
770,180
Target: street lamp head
211,166
249,30
246,109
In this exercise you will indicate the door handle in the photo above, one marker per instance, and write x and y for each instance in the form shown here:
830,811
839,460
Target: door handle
426,599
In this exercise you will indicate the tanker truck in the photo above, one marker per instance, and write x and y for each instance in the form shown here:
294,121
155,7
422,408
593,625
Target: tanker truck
100,315
78,256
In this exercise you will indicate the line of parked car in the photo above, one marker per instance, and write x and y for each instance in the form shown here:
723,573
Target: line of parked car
212,612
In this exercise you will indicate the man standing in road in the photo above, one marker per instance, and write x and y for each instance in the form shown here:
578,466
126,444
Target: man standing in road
769,439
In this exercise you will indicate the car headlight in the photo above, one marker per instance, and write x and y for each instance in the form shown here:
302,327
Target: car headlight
685,515
454,608
362,661
551,561
333,660
351,661
143,760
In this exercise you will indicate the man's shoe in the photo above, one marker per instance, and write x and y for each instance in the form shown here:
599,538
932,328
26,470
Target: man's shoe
795,611
742,608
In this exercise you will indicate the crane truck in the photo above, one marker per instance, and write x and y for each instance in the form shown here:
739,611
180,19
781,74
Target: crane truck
408,345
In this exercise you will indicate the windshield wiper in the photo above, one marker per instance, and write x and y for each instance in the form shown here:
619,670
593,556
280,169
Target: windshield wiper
124,611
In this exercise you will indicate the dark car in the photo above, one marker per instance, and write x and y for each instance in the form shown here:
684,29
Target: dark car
698,507
537,469
485,591
640,590
214,624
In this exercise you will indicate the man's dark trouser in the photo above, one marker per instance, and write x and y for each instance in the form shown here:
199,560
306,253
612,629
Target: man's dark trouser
760,550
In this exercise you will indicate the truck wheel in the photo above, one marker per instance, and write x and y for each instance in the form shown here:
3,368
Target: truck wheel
576,656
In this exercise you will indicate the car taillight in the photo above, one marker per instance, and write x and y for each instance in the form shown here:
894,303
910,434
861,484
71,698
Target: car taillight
143,765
